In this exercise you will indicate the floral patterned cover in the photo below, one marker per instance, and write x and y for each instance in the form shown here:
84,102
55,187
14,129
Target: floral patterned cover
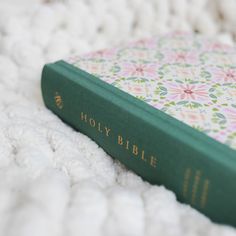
186,76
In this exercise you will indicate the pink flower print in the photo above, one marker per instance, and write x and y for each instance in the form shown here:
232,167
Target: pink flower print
138,70
137,54
193,117
186,72
230,114
145,43
188,92
220,136
227,75
105,54
137,89
141,54
217,46
94,67
232,93
73,59
183,39
220,46
184,57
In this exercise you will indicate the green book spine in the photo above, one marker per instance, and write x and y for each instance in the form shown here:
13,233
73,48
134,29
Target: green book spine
159,148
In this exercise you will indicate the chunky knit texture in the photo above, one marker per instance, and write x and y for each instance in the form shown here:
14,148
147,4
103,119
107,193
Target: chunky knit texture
55,181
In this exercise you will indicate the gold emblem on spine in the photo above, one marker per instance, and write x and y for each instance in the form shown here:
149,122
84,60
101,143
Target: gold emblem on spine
58,100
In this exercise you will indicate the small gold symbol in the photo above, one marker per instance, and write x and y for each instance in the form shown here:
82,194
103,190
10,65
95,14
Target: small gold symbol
58,100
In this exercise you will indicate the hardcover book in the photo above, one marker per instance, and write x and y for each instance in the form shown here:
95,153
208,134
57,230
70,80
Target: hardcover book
165,107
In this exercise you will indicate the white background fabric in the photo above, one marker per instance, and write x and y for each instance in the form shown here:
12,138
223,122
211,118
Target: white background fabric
54,180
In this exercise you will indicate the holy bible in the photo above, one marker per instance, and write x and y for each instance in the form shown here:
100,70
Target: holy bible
165,107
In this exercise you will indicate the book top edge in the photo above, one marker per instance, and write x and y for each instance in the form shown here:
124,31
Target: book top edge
190,78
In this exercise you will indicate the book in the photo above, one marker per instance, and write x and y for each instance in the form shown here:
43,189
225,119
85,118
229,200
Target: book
165,107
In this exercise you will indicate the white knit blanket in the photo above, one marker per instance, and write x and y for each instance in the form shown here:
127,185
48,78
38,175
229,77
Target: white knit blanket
55,181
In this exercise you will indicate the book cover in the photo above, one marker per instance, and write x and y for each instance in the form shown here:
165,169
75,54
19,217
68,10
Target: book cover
165,107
